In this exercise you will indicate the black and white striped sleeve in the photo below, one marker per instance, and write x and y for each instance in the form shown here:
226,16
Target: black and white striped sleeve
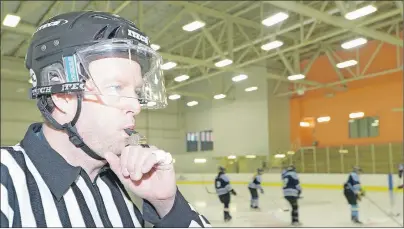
181,215
10,213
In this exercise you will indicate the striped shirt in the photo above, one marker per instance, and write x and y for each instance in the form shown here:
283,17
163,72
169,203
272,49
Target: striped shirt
40,189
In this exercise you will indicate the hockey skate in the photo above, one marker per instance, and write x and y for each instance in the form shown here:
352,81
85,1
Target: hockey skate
296,224
355,220
227,218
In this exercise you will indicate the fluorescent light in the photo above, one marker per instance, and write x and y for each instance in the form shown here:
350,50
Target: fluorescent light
296,77
11,20
356,115
248,89
271,45
250,156
290,152
181,78
231,157
304,124
280,155
239,78
174,97
150,104
155,47
347,63
360,12
219,96
192,103
168,65
274,19
223,63
193,26
199,160
343,151
324,119
354,43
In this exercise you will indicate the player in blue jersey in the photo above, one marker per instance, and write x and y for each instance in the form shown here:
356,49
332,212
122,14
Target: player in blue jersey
292,191
253,186
353,193
223,190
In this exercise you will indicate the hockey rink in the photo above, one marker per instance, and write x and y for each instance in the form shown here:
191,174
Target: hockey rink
318,208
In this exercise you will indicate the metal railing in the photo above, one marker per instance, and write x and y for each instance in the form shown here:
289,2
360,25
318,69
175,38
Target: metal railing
372,158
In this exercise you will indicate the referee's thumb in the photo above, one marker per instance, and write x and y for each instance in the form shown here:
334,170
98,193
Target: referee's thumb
114,162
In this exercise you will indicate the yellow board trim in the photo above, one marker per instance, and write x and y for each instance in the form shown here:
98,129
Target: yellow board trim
308,186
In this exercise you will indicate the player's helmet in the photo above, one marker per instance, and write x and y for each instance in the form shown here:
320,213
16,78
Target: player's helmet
222,169
291,167
357,169
60,58
260,170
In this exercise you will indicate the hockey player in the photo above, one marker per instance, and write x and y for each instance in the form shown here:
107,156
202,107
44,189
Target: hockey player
253,186
353,193
292,191
223,190
400,174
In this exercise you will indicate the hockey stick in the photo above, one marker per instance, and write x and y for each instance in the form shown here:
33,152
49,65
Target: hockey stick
382,210
208,191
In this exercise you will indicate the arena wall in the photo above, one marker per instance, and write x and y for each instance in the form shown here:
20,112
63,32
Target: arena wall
376,182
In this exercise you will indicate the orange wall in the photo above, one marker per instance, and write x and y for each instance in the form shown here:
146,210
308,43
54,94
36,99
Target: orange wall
373,96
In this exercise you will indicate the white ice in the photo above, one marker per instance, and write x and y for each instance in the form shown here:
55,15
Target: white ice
318,208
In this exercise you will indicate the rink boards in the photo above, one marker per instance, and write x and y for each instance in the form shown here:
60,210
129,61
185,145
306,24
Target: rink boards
370,182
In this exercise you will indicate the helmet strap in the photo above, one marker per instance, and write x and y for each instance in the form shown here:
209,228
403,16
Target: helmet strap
69,127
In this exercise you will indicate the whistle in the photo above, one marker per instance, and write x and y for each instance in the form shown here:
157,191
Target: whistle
136,139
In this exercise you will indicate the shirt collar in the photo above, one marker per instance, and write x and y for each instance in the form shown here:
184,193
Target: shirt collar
54,169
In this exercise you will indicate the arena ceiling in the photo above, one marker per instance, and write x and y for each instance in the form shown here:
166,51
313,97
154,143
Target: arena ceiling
233,30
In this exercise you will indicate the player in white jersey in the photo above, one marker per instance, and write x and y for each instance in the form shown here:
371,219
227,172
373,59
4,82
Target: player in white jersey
253,186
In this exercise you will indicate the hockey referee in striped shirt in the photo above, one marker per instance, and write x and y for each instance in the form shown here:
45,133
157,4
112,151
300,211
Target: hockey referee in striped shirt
92,72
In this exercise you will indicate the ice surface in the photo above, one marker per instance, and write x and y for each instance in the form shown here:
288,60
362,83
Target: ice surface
318,208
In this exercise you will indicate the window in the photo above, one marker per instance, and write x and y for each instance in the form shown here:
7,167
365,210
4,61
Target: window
365,127
192,142
206,140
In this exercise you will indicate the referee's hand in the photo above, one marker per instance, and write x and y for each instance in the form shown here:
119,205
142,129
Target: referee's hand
148,173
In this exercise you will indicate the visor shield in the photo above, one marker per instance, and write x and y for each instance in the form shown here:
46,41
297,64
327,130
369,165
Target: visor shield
120,71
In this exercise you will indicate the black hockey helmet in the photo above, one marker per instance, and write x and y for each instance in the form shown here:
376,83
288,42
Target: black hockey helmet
222,169
63,48
291,167
61,58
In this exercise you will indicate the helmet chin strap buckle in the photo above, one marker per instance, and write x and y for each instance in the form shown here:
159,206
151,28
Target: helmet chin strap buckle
73,135
77,141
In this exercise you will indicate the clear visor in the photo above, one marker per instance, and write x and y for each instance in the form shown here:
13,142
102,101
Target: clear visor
119,72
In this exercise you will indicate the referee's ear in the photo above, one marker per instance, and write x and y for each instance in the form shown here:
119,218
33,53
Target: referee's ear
65,107
65,104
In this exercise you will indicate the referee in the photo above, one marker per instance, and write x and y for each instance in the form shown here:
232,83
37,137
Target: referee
92,72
